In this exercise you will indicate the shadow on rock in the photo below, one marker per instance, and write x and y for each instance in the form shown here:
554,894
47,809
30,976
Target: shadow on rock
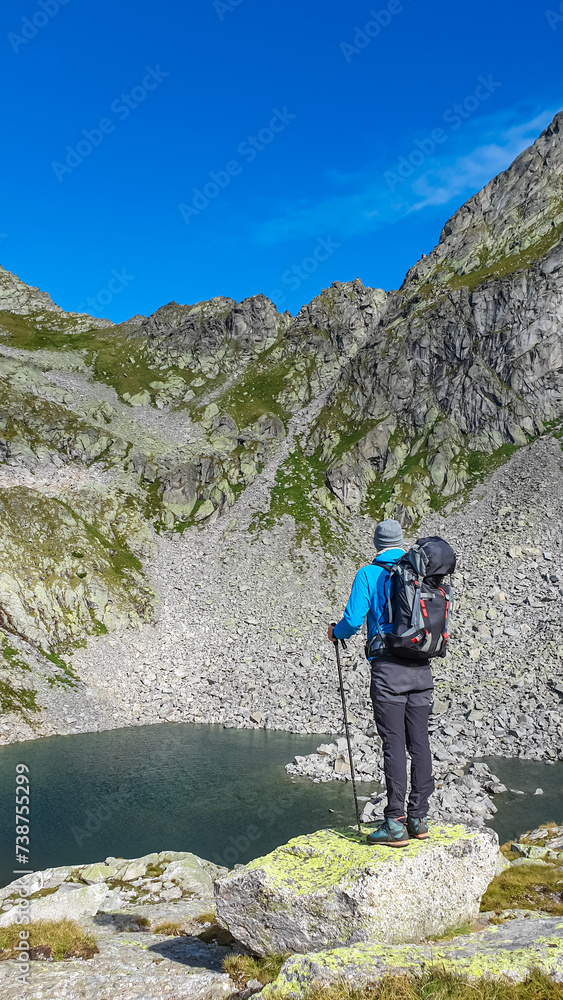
191,951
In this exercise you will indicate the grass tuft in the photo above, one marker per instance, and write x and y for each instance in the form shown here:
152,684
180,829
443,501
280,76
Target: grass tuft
438,984
49,939
171,928
242,968
468,927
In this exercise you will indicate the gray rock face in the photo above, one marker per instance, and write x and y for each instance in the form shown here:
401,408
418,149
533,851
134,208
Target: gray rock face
327,890
203,329
69,902
74,893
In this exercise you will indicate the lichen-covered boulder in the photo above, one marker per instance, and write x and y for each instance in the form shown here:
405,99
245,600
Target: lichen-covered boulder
328,889
509,951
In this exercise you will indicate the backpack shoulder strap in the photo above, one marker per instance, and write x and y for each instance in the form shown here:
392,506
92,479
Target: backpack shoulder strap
416,619
390,569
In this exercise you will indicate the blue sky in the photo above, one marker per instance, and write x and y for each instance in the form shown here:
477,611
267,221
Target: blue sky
305,142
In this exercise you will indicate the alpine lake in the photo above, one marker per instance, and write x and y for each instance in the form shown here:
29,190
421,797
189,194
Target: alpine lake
221,793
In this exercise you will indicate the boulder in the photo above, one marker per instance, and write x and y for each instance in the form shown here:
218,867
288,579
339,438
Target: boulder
511,950
68,902
140,398
99,872
189,874
327,889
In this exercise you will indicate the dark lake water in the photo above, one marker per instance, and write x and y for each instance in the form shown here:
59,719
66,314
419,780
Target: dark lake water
518,813
221,793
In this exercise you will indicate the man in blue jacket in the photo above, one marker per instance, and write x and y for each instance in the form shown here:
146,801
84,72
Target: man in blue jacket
401,693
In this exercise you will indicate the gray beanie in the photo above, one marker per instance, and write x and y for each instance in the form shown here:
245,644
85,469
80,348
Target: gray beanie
388,535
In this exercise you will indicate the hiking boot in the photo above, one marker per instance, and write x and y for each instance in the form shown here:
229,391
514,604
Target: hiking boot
417,828
391,833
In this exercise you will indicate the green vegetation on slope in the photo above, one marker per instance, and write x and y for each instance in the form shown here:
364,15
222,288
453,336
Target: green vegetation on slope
299,482
69,570
255,392
275,383
115,358
14,697
504,267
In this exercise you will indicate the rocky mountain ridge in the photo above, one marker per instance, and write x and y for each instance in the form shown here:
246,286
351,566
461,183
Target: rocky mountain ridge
467,356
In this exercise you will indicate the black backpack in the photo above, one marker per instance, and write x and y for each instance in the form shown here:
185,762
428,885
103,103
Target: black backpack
419,603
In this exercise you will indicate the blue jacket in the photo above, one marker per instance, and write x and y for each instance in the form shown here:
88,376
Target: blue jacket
370,591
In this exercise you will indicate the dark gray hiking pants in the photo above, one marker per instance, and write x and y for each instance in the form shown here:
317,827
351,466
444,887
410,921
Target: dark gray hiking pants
402,696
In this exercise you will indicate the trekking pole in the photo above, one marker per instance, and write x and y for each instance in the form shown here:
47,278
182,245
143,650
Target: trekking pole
343,696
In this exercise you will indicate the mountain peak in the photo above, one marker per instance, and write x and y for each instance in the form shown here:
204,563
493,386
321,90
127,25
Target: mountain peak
25,300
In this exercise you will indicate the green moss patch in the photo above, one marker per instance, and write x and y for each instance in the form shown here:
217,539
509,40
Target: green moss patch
295,493
504,267
126,363
20,700
255,392
13,696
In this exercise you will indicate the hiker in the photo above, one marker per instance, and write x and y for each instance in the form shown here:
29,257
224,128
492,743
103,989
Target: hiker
401,685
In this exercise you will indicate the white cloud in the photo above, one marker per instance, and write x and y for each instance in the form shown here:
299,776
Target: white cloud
471,172
363,200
